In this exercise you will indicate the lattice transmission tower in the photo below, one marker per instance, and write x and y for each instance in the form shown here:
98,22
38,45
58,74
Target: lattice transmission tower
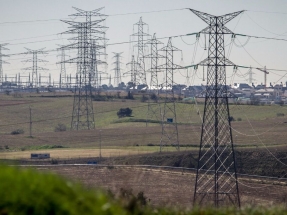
34,83
133,64
87,32
117,69
96,54
169,134
153,110
140,77
216,179
2,47
63,80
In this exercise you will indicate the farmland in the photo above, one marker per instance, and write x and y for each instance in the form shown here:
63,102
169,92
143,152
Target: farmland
259,134
49,111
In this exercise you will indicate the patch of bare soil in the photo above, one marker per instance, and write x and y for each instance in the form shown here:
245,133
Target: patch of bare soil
163,188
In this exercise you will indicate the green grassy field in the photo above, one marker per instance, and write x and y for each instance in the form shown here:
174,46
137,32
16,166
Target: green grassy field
50,109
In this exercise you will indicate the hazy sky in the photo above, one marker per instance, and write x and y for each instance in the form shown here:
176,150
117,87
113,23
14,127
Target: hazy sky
261,18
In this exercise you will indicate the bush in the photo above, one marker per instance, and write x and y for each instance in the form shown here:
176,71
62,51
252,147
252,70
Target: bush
124,112
17,131
60,127
144,98
231,118
280,114
29,192
239,119
130,96
154,97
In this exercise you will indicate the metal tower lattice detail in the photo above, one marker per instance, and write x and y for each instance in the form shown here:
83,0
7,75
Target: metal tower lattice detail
63,68
216,178
169,134
117,69
96,53
2,47
140,77
34,83
154,70
133,71
87,32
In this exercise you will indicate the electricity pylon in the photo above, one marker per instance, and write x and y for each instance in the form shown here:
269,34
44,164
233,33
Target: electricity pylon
140,77
168,112
216,178
153,110
96,53
35,68
87,31
117,69
133,71
2,47
63,82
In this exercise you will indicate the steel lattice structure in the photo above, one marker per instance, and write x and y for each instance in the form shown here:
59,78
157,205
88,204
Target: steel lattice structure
63,81
140,77
2,47
133,70
96,53
168,112
216,178
153,110
86,31
117,69
34,83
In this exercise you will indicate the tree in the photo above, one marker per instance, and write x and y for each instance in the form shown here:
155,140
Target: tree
124,112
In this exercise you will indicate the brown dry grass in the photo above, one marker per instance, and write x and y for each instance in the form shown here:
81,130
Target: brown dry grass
164,188
73,153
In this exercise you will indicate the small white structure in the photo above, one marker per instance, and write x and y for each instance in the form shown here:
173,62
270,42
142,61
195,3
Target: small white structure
40,155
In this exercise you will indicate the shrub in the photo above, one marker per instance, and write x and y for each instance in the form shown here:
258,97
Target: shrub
54,161
60,127
231,118
29,192
124,112
239,119
130,96
144,98
154,97
17,131
280,114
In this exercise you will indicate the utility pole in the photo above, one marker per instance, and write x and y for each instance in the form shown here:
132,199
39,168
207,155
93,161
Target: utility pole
169,133
100,144
153,110
87,31
35,68
117,69
216,177
2,47
30,111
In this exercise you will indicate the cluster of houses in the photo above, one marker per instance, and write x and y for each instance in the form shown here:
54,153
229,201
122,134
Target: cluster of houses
245,93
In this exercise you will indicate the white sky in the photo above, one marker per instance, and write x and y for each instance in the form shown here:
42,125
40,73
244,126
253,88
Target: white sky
259,20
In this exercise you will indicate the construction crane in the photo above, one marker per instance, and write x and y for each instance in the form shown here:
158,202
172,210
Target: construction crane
265,75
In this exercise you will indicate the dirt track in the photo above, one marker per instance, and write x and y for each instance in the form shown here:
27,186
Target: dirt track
162,187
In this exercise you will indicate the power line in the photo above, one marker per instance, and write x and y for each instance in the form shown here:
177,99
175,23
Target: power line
120,14
265,28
